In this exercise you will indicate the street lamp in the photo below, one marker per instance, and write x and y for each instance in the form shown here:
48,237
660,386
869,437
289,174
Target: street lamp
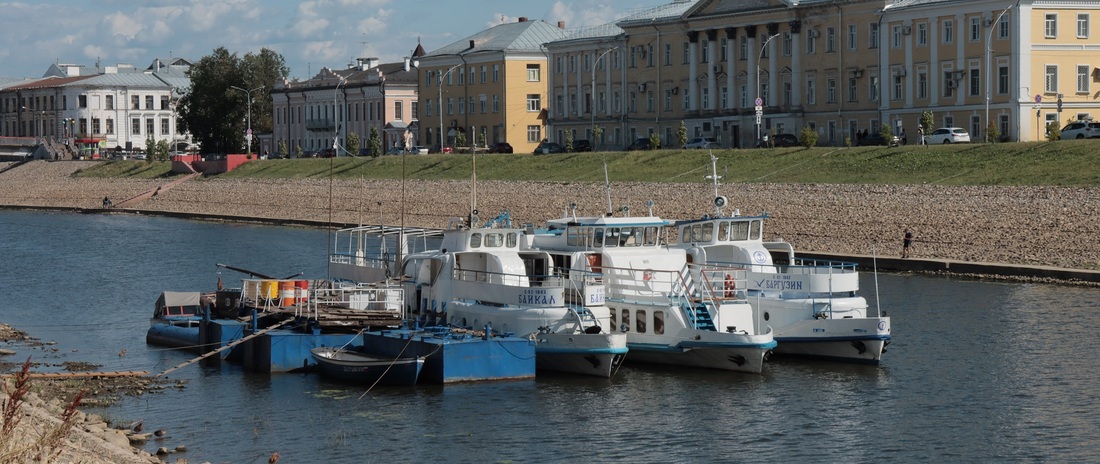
248,135
592,114
336,115
441,76
759,87
989,63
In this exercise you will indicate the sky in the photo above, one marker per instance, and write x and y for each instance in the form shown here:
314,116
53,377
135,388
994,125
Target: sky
309,34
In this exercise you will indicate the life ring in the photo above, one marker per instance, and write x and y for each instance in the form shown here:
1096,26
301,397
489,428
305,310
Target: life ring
730,286
647,275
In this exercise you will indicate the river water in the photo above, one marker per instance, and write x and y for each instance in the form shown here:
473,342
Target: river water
977,372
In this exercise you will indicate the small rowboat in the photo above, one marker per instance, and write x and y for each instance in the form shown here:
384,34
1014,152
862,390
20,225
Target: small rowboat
363,368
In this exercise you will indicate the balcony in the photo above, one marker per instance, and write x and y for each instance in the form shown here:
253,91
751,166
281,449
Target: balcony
321,125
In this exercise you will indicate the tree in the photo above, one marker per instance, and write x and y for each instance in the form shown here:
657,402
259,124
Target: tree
282,149
682,134
460,139
808,137
163,150
374,143
992,134
150,148
214,112
654,141
1054,132
597,135
886,132
353,144
568,141
297,151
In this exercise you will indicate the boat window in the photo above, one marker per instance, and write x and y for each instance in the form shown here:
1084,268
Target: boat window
597,239
739,230
708,231
686,236
475,240
658,322
639,319
723,231
572,237
512,239
628,236
614,318
626,320
612,236
696,233
754,233
651,236
494,240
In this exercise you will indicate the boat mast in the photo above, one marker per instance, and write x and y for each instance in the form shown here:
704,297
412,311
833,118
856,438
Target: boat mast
719,201
607,185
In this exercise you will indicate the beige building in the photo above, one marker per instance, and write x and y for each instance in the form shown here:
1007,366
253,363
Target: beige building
837,68
488,88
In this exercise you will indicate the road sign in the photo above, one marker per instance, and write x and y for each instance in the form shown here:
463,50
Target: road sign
759,102
1038,98
758,118
248,132
759,108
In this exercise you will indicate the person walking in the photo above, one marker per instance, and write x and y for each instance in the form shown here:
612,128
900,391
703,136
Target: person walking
906,243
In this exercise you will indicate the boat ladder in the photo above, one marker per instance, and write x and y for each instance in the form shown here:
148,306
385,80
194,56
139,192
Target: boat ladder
698,316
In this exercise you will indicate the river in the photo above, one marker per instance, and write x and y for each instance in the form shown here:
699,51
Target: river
977,371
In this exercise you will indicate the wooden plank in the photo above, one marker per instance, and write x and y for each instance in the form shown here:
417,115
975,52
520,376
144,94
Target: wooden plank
75,375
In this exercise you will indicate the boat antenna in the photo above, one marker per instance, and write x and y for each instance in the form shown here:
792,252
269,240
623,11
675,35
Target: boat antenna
607,185
473,183
573,211
649,205
719,200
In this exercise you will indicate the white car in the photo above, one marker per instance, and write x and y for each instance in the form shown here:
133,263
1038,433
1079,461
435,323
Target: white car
701,142
1081,130
947,135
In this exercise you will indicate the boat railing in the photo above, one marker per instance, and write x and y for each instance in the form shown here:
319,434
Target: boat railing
513,280
582,287
799,266
373,262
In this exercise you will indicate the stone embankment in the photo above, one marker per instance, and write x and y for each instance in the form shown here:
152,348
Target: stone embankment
1049,226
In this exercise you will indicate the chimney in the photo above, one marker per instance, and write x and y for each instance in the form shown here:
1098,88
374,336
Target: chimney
471,44
522,19
561,24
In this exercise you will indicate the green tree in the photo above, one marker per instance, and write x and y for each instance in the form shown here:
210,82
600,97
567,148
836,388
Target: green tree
163,150
654,141
1053,131
992,134
808,137
353,143
682,134
374,143
926,122
481,138
150,148
460,139
297,151
568,141
886,132
597,135
282,149
214,112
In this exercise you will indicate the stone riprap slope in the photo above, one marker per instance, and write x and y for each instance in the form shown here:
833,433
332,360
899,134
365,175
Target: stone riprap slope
1013,225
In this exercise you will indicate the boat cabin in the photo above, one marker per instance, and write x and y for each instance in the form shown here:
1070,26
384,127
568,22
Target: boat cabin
181,306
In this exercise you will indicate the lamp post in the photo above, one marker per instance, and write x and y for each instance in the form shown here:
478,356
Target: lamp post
248,135
336,115
441,76
592,114
759,87
989,62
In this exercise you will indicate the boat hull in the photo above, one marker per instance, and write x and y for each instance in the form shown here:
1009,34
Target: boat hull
851,340
174,336
710,350
599,355
369,370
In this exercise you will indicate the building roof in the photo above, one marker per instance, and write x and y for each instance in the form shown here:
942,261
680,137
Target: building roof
47,82
520,36
672,10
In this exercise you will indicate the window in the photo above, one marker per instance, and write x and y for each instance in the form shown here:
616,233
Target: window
873,36
534,103
1003,27
164,102
830,90
811,42
744,48
975,28
922,85
1082,26
1052,78
496,103
851,37
82,101
483,101
149,126
724,48
557,65
744,96
587,61
895,37
534,134
725,97
948,83
668,54
787,93
95,125
148,102
811,91
658,322
135,102
787,44
415,110
398,111
110,126
484,74
687,53
135,126
650,58
1082,78
110,102
706,97
450,106
922,34
872,89
639,321
975,82
668,100
427,108
764,46
830,39
164,126
705,51
1051,26
1002,80
899,81
948,32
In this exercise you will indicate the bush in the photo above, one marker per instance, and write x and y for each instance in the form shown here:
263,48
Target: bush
1054,132
808,137
654,141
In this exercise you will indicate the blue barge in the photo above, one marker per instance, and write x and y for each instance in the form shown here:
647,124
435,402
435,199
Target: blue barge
457,355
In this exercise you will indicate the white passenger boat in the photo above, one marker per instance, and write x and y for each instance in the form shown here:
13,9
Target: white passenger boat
480,277
673,312
812,304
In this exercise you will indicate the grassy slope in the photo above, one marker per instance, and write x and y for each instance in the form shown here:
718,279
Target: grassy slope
1063,163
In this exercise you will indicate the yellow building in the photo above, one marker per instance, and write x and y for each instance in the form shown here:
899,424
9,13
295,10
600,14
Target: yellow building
738,69
488,88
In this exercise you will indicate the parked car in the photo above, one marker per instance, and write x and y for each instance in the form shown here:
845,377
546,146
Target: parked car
1081,130
309,154
582,146
420,150
327,153
435,149
785,140
545,148
876,138
701,142
948,135
500,147
641,143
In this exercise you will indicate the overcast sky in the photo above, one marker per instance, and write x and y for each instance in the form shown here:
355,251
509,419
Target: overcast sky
309,34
